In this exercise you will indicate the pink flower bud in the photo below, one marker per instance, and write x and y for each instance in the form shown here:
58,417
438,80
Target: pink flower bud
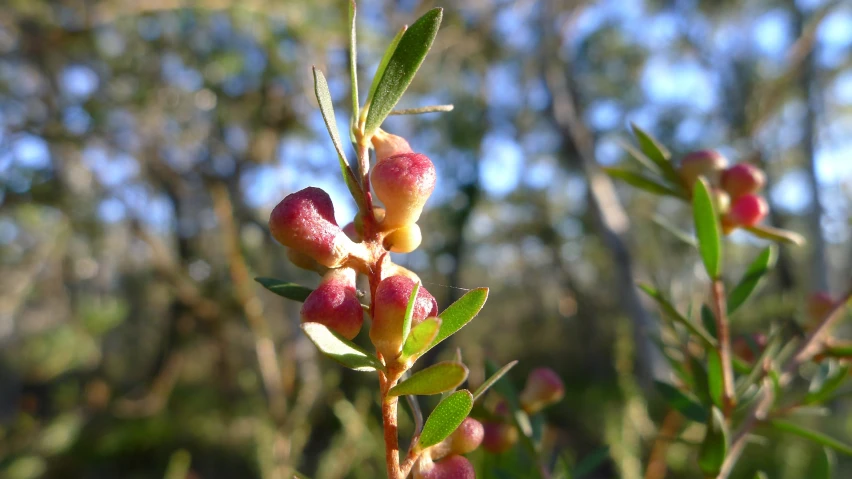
403,183
543,388
404,240
498,437
706,163
466,438
746,211
742,179
335,304
304,221
388,145
453,467
390,302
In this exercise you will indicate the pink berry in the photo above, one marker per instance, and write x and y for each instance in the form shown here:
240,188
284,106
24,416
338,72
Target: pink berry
543,388
466,438
304,221
746,211
403,183
335,304
706,163
453,467
498,437
742,179
390,302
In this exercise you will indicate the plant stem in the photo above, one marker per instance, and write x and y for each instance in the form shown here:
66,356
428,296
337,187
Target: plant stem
724,334
389,422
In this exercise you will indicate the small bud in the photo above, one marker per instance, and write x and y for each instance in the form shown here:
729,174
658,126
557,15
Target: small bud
453,467
746,211
403,183
404,240
748,348
390,302
388,145
466,438
543,388
498,437
706,163
721,200
742,179
335,304
304,221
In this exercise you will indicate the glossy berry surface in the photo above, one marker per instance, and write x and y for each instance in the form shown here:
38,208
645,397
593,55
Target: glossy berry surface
452,467
706,163
403,183
304,221
746,211
742,179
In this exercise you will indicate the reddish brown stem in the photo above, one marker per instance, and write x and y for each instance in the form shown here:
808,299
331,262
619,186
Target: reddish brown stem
724,336
389,421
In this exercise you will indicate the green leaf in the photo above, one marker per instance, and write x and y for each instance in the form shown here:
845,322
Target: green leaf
760,475
292,291
701,387
353,59
756,270
675,231
777,234
327,110
460,313
588,464
435,379
446,418
835,378
812,435
681,402
493,379
380,71
421,337
651,185
640,157
708,320
825,464
409,312
656,153
707,228
423,109
341,349
715,381
400,69
714,448
671,312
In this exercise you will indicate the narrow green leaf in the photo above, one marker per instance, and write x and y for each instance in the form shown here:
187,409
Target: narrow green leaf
707,228
400,69
681,402
714,448
756,270
341,349
327,110
423,109
435,379
446,418
715,383
299,475
761,475
504,388
825,464
812,435
675,231
701,386
640,157
287,290
777,234
421,337
353,59
460,313
672,313
409,312
708,320
656,153
835,378
651,185
493,379
380,71
590,463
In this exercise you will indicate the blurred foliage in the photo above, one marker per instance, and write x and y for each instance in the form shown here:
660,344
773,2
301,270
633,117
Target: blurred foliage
140,141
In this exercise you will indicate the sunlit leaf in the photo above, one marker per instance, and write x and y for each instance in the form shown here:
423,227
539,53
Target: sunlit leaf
643,182
656,153
409,312
353,59
340,349
380,71
446,418
288,290
421,337
707,228
714,448
493,379
777,234
435,379
460,313
756,270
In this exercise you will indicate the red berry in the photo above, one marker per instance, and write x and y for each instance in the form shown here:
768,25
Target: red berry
466,438
305,222
543,388
335,304
391,301
706,163
742,179
453,467
746,211
498,437
403,183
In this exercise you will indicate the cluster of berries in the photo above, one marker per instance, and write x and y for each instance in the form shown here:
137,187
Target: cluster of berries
734,188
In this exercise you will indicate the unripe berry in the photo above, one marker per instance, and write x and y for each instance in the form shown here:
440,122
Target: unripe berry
498,437
742,179
404,240
466,438
335,304
388,145
304,221
706,163
721,200
390,302
304,261
746,211
403,183
453,467
543,388
354,228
